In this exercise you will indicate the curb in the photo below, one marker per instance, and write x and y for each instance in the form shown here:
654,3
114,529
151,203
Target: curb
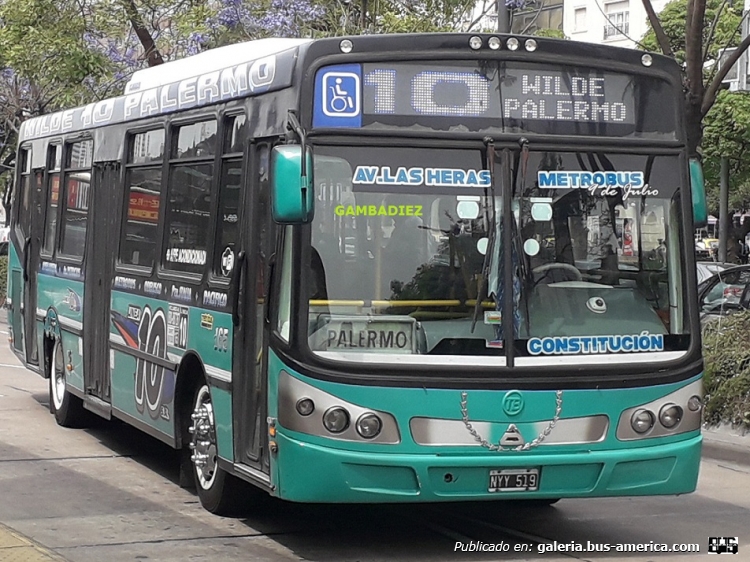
16,547
723,443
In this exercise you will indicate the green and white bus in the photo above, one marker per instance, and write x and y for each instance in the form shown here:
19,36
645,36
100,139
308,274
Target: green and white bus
406,268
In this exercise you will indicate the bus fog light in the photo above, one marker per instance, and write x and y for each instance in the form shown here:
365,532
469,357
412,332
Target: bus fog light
369,425
305,406
695,403
512,44
475,43
670,415
336,419
642,421
530,45
346,46
494,43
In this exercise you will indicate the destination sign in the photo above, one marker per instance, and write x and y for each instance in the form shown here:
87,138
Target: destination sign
496,92
393,334
484,95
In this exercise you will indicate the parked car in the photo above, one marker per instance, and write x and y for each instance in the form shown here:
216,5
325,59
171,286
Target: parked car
706,269
724,292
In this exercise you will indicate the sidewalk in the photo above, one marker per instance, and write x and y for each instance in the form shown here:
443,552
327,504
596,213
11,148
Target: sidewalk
17,548
726,444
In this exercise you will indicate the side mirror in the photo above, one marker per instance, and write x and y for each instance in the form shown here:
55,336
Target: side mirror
698,190
292,197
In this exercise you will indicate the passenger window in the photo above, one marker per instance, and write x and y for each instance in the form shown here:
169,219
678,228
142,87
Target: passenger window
227,225
189,198
53,196
143,180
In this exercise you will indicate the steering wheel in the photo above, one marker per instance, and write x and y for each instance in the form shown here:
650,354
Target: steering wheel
543,269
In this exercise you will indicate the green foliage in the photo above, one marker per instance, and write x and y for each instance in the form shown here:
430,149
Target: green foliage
553,33
673,18
43,41
726,134
726,348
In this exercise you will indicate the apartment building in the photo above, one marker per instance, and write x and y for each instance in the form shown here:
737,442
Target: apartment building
621,23
613,22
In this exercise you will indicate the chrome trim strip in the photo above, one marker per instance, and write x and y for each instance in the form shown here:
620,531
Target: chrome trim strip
41,314
433,432
219,374
253,473
118,339
70,324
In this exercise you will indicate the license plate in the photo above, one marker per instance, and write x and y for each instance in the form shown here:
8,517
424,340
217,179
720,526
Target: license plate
514,480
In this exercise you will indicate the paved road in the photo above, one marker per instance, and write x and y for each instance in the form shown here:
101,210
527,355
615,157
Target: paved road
109,494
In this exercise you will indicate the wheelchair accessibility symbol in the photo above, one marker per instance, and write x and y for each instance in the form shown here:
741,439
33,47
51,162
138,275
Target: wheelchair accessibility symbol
341,94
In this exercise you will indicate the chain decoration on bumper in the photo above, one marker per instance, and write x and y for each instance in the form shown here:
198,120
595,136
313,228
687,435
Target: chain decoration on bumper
526,446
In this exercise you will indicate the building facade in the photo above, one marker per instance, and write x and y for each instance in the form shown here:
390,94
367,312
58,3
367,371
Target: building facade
621,23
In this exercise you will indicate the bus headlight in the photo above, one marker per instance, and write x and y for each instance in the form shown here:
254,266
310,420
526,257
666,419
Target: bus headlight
695,403
336,419
670,415
369,425
305,406
642,421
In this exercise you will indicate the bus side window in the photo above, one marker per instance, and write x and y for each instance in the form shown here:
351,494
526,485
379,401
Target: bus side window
227,223
54,164
189,197
143,191
77,195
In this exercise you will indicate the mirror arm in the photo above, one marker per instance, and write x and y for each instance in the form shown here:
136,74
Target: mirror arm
294,125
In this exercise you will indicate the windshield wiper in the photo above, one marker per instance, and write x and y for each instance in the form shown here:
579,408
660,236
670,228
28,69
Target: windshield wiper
491,234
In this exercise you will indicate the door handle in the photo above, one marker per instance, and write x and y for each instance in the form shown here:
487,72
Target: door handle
26,246
237,278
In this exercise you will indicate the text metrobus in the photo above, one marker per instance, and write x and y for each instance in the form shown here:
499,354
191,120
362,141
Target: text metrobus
374,269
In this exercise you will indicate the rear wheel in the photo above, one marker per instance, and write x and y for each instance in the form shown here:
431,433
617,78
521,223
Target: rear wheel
68,409
219,492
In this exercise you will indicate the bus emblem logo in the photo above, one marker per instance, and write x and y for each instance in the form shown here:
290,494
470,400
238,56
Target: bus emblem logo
341,94
227,261
513,403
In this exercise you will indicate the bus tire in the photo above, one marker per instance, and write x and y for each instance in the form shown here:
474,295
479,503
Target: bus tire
67,408
219,492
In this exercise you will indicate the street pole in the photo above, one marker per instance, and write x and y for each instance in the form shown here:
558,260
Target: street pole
503,17
723,208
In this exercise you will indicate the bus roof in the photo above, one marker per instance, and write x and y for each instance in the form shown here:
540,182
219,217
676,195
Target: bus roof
214,76
208,61
263,65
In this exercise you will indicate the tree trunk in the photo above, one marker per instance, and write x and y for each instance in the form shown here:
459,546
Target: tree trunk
153,56
694,124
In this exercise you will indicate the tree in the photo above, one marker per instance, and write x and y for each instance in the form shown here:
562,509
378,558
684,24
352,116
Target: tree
693,31
726,134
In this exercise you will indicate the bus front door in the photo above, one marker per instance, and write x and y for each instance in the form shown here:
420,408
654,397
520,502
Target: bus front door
103,226
32,225
250,280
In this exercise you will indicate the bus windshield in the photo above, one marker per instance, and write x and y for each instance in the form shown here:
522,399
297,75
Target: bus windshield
407,249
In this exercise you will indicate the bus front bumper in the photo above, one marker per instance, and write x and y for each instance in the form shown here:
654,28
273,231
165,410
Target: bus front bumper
311,473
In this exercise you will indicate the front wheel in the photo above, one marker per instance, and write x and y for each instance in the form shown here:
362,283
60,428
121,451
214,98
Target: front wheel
219,492
68,409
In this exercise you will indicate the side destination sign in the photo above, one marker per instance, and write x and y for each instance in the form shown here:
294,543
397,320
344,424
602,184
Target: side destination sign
254,77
